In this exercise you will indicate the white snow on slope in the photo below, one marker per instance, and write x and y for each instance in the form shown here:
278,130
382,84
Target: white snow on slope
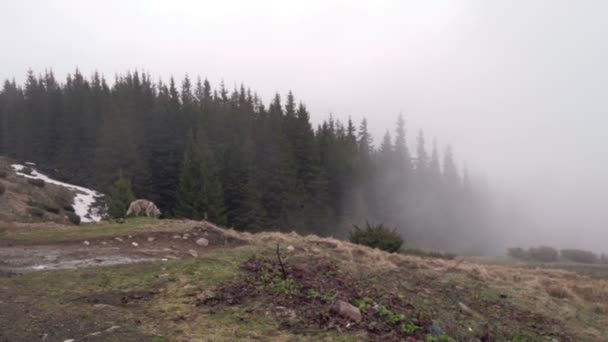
83,202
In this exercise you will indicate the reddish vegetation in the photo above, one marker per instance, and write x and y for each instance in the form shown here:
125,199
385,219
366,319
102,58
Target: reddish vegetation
303,302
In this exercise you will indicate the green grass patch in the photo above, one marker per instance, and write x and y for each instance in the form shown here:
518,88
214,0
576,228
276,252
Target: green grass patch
70,233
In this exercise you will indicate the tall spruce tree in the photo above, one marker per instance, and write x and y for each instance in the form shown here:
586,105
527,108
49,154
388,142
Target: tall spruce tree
199,191
119,197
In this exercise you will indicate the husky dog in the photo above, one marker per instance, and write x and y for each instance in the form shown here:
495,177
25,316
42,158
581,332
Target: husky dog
143,207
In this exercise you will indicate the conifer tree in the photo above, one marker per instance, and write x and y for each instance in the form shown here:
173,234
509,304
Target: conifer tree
199,192
119,197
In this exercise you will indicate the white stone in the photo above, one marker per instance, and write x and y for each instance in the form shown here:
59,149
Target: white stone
202,242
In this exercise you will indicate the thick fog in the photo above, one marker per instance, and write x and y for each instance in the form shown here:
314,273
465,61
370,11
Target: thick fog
518,88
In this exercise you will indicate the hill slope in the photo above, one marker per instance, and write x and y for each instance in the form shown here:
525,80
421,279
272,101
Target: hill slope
29,196
197,282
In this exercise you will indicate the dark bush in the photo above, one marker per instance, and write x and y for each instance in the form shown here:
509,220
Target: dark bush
36,182
51,208
35,211
543,254
3,174
377,237
579,255
75,219
517,253
64,200
2,189
27,170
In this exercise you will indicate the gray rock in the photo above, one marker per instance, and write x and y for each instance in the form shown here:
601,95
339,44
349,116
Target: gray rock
135,244
347,310
193,252
150,239
86,242
202,242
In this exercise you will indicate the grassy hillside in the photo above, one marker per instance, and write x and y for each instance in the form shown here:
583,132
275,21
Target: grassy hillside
238,291
23,200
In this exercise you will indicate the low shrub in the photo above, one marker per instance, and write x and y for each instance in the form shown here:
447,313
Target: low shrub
517,253
543,254
51,208
377,236
3,174
75,219
35,211
64,198
579,255
36,182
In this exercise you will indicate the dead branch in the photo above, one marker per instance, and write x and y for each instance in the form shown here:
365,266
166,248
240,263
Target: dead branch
281,263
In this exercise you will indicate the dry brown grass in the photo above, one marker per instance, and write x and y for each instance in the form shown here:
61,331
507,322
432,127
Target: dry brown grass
14,204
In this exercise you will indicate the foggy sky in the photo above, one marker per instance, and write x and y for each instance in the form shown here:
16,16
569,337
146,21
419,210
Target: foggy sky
519,88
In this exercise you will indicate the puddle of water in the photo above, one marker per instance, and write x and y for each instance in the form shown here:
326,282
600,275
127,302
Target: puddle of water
81,263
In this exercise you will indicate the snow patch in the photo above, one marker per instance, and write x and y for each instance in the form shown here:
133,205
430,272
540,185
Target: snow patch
83,202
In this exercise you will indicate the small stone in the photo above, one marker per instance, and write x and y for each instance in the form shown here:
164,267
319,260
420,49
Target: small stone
202,242
130,236
291,248
70,340
135,244
104,243
86,242
193,252
176,237
118,239
347,310
150,239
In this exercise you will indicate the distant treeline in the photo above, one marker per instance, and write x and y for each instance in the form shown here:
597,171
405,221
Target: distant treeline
550,254
202,152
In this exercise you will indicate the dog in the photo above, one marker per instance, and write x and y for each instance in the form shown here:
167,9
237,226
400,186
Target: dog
143,207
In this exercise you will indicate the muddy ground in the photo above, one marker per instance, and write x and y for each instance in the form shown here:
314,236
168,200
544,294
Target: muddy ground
110,250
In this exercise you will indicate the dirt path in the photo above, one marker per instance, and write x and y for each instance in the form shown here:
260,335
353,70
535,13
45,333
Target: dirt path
113,250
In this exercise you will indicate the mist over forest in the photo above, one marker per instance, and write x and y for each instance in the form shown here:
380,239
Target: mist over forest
517,90
201,152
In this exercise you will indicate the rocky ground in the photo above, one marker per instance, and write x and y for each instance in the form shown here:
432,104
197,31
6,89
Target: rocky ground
170,280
